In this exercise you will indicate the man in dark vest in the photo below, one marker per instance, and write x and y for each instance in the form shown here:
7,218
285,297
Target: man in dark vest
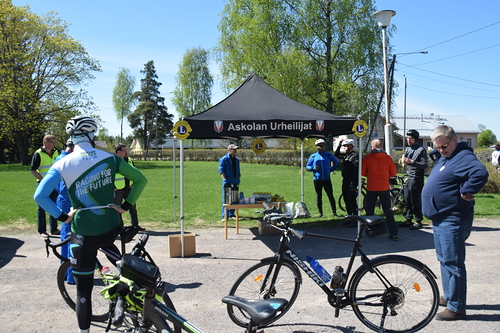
124,185
416,163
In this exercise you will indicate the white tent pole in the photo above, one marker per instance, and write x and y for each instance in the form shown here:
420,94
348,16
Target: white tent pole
302,169
360,199
175,179
181,157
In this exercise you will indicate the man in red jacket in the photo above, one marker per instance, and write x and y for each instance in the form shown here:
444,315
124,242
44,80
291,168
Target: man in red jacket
377,168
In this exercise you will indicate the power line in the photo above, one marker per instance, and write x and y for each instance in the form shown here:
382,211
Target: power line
455,94
468,33
458,55
454,77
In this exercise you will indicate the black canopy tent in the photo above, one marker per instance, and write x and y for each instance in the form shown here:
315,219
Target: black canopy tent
255,109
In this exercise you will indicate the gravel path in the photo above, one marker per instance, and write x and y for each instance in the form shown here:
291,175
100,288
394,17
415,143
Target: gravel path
30,300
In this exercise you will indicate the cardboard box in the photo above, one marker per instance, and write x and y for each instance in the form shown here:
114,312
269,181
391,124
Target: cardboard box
174,245
265,229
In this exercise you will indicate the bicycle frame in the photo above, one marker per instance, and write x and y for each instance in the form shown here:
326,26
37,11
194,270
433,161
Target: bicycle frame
158,314
334,296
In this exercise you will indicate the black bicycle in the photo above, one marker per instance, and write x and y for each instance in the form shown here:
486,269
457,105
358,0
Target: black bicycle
136,297
390,293
104,308
396,191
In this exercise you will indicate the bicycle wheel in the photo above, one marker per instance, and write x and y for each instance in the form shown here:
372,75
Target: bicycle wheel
341,202
100,306
255,283
133,319
399,295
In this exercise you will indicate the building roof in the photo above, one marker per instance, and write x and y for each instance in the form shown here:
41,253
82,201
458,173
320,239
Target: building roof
426,124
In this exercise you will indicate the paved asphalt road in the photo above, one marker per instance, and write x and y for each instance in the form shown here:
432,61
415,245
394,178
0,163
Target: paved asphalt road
30,301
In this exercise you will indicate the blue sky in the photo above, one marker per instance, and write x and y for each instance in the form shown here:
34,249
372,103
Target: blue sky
459,75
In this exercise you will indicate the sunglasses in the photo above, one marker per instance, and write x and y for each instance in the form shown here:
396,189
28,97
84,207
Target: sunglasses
444,146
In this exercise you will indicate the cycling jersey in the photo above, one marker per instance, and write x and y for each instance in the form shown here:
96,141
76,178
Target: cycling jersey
89,174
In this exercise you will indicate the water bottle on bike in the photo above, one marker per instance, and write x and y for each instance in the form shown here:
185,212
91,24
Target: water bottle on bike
320,270
338,277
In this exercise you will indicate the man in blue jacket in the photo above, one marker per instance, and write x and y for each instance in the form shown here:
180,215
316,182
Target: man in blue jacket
448,200
322,164
229,170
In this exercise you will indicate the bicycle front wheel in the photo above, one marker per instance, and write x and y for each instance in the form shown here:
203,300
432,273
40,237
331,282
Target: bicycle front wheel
134,320
256,283
395,294
100,306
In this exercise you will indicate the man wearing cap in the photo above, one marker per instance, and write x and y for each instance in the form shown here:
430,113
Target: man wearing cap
229,169
322,164
345,152
495,155
41,161
416,163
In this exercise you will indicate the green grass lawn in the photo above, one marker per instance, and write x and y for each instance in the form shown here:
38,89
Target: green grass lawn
202,195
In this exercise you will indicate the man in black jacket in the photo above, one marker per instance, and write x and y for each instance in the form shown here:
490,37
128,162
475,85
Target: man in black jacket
416,163
345,153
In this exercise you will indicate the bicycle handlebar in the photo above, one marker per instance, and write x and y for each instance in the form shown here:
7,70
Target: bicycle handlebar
54,246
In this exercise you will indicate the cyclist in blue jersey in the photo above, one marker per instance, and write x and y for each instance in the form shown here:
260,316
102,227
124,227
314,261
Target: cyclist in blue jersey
89,175
322,163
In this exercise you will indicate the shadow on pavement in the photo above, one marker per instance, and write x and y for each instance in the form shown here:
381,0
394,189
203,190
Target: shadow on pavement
8,249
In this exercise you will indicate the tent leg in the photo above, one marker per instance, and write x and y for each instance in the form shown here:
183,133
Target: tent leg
302,169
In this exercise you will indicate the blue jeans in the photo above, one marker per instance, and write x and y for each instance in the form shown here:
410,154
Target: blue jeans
450,235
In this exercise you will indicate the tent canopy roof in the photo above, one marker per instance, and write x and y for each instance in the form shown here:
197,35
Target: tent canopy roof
255,109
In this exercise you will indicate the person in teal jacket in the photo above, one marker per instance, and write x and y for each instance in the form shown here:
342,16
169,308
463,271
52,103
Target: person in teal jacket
89,175
322,163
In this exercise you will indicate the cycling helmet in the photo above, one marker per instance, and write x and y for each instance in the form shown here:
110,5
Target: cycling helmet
81,125
348,142
413,133
319,142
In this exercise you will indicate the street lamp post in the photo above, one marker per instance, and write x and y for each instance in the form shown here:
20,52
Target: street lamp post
384,19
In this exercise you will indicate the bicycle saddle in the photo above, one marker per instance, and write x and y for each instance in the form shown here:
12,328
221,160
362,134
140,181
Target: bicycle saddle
259,310
368,220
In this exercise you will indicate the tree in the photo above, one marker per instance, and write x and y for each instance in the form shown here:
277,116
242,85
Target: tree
123,96
151,116
194,83
41,70
323,53
486,138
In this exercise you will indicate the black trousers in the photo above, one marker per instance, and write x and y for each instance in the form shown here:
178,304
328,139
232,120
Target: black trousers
385,201
350,195
319,185
413,199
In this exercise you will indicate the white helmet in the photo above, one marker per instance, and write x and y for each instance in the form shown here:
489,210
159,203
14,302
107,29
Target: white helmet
319,141
348,142
80,125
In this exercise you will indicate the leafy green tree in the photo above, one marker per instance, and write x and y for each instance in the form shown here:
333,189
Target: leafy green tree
151,117
194,83
123,96
41,70
486,138
323,53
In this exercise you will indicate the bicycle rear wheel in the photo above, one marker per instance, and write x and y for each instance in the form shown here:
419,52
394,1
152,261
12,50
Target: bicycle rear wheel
341,202
399,295
100,306
255,283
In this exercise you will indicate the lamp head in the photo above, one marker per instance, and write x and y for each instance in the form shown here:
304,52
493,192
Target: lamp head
384,17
